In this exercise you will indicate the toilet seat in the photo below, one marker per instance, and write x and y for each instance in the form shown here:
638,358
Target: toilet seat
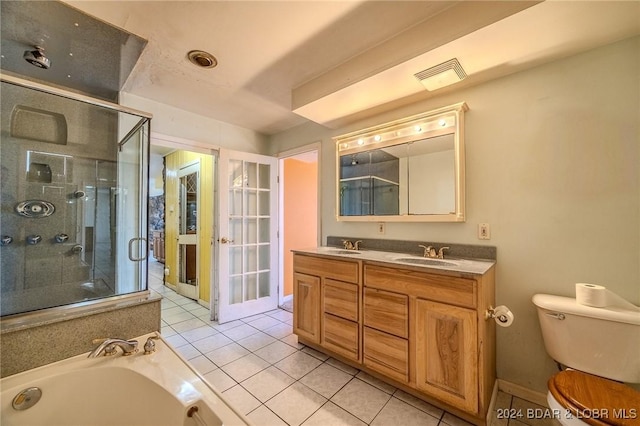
595,400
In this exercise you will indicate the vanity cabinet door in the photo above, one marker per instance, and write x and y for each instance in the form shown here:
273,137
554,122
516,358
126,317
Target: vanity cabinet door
306,306
446,353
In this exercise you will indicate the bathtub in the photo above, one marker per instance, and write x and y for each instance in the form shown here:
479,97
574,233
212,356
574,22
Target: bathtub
136,390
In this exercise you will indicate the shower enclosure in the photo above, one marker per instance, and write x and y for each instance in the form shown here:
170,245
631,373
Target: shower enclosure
73,198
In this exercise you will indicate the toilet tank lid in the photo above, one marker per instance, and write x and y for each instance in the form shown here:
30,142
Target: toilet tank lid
569,305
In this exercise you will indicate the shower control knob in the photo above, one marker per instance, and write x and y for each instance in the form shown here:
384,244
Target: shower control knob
6,240
61,238
77,249
34,239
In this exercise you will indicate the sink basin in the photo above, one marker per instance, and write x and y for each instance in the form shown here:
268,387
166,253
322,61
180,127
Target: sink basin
425,261
343,252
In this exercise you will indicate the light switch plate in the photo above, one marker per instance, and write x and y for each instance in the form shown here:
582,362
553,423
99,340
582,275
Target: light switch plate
484,231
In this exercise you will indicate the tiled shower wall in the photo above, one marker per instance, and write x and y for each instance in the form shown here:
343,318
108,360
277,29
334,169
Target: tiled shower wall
51,148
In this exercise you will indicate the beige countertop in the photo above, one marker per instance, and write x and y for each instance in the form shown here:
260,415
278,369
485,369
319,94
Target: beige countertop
469,266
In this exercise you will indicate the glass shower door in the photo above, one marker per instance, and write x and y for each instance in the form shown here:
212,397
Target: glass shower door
131,204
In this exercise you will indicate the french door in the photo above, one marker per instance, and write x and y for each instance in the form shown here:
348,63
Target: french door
247,243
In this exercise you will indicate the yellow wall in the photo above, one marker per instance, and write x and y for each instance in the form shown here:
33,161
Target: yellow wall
174,162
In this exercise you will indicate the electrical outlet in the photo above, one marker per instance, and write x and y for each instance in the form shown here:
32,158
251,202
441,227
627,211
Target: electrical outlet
381,228
484,231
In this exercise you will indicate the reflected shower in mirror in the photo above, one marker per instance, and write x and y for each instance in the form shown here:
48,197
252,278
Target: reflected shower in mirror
408,170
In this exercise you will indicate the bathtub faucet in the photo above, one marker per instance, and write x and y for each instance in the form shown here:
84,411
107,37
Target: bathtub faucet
108,347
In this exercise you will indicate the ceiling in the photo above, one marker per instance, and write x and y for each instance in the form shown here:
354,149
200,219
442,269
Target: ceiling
86,55
282,63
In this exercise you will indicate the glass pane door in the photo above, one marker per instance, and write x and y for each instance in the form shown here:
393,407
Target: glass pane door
247,249
188,268
130,202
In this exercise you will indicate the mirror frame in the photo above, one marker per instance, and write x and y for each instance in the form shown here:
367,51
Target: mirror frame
442,121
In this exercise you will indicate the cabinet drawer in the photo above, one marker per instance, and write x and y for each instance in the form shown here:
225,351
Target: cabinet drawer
329,268
340,336
340,299
386,354
386,311
440,288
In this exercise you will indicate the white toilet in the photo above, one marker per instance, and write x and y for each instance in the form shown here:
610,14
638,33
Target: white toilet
600,348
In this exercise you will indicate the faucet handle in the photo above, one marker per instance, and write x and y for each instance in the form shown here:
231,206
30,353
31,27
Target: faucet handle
348,245
441,252
150,345
356,245
429,251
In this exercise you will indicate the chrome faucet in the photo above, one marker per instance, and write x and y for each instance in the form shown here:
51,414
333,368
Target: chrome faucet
429,251
348,245
109,347
441,252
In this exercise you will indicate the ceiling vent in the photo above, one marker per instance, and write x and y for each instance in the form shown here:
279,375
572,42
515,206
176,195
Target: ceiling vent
441,75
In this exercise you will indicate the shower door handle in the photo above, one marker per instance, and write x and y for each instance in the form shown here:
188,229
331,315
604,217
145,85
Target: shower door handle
131,257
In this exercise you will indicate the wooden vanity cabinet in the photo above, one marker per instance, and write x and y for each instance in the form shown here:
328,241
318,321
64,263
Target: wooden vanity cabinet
335,313
451,345
422,329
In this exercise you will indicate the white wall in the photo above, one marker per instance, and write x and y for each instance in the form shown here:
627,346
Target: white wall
171,121
552,162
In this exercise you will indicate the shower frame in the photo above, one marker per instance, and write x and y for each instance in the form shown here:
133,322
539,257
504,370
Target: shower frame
55,313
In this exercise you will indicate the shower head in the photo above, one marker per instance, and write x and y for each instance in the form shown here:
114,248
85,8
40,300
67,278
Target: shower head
36,57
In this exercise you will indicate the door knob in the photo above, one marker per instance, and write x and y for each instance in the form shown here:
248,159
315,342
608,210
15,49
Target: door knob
224,240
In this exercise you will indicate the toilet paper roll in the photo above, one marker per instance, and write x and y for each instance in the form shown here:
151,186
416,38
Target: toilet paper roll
503,316
599,297
591,295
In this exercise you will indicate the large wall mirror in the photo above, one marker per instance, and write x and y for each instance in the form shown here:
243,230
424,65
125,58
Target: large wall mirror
410,169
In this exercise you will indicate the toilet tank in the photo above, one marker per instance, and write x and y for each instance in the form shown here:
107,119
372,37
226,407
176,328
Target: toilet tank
600,341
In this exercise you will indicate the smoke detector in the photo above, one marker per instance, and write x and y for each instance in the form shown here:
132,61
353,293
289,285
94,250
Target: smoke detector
442,75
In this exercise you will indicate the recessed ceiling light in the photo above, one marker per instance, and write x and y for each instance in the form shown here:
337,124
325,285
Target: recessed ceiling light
202,59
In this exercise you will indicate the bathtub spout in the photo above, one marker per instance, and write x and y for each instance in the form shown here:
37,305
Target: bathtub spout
108,347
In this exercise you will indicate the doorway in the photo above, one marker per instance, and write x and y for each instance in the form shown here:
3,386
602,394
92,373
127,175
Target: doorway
182,215
299,207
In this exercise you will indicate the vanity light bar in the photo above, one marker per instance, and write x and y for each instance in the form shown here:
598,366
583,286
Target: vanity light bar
405,129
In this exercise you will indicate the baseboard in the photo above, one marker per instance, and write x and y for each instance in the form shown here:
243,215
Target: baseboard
286,299
523,392
492,403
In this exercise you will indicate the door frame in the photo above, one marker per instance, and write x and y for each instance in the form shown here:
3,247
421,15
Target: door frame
182,144
313,147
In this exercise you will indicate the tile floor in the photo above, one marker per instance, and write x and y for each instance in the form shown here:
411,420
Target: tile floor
258,364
